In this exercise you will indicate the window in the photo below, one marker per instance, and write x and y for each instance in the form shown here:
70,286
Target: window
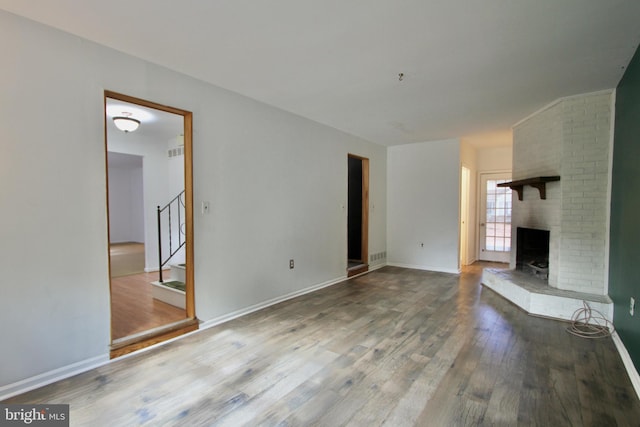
498,222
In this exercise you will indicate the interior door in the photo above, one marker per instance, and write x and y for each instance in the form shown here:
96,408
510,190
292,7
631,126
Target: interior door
465,179
495,218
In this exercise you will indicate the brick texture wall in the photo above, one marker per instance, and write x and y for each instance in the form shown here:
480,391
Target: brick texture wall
570,138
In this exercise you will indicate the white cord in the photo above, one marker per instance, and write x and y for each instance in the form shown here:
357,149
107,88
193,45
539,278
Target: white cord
589,323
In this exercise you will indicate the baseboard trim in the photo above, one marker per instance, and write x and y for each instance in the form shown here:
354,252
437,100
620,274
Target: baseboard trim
425,267
49,377
628,363
46,378
248,310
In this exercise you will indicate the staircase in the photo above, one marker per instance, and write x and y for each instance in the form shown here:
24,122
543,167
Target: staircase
171,226
171,231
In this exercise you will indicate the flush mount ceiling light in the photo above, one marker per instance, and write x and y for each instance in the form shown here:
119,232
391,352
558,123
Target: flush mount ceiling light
126,123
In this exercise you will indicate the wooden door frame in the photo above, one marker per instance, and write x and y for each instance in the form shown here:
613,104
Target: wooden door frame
128,344
364,245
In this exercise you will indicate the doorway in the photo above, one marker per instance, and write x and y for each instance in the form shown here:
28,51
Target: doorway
150,222
357,215
495,217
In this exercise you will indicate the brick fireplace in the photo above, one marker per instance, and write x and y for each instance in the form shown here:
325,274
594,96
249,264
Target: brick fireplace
570,138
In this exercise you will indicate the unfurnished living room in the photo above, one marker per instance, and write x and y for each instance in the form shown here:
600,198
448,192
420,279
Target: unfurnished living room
320,213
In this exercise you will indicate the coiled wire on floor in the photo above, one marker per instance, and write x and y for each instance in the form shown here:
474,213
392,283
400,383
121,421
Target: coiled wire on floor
589,323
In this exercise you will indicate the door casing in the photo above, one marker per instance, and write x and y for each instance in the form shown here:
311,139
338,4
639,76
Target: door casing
364,243
124,346
483,254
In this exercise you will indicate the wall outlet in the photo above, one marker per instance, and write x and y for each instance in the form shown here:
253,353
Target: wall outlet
632,305
290,264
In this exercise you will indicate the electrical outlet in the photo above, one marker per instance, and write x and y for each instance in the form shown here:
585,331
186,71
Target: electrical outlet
290,264
632,305
205,208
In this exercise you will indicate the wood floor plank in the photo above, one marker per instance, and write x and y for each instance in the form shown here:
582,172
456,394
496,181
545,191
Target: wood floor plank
133,308
395,347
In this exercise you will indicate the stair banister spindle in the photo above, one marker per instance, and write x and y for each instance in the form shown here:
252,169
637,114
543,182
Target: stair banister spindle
159,247
178,201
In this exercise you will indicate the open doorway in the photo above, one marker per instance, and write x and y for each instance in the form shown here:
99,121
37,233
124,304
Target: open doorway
150,222
357,215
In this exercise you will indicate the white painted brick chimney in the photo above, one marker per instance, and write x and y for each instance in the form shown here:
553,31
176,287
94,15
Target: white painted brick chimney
571,138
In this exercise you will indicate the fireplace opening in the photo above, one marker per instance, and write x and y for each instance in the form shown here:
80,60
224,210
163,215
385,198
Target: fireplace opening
532,252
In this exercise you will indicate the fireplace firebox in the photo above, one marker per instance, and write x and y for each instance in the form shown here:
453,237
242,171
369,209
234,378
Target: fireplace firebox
532,251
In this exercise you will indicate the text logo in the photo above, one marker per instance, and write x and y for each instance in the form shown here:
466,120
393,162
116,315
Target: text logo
34,415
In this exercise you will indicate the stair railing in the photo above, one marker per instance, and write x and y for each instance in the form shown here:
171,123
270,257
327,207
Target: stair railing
178,204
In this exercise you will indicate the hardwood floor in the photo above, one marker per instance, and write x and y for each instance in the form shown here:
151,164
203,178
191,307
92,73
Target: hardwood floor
134,310
395,347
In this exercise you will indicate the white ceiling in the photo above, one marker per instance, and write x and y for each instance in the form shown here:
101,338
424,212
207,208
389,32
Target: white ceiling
472,68
155,124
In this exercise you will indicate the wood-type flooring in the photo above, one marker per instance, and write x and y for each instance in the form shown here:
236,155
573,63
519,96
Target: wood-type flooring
395,347
133,308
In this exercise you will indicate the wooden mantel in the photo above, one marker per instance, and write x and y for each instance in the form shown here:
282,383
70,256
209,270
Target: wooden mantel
539,182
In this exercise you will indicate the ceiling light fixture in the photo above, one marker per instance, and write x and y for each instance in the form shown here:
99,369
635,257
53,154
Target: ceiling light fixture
126,123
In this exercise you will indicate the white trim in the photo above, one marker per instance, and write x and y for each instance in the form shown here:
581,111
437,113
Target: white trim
478,206
46,378
481,213
49,377
628,363
425,267
243,312
607,222
559,100
561,305
248,310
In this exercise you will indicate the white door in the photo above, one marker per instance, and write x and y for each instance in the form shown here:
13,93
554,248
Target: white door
495,218
464,215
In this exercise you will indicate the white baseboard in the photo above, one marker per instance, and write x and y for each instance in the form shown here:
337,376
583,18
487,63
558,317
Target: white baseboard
49,377
248,310
43,379
425,267
628,363
376,267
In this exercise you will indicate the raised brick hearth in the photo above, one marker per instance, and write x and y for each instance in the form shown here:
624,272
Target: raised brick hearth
570,138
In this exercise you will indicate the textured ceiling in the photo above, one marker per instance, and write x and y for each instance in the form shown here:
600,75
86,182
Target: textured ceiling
471,68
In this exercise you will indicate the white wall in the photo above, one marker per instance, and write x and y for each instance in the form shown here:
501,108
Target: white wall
137,205
494,159
126,208
423,182
155,179
277,184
